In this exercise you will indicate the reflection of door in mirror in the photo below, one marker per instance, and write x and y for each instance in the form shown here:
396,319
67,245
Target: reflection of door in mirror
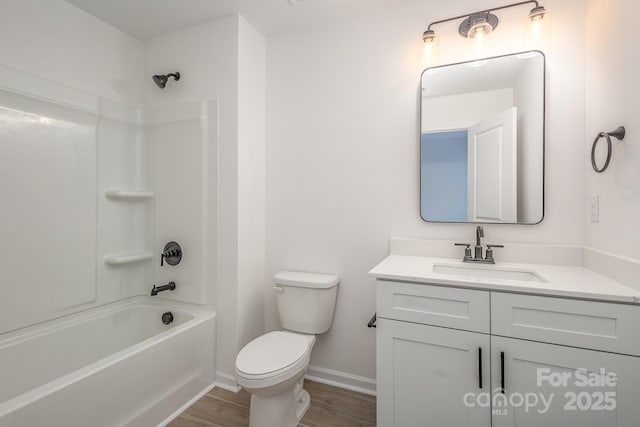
492,163
445,177
482,141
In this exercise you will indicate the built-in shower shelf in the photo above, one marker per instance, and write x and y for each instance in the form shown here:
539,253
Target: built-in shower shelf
127,257
128,195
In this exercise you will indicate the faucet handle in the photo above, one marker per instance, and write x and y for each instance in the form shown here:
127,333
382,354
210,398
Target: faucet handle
172,254
489,254
467,249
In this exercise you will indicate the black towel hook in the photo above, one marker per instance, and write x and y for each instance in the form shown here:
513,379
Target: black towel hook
619,134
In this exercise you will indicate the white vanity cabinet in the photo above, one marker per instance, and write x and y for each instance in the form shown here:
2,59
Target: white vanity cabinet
440,348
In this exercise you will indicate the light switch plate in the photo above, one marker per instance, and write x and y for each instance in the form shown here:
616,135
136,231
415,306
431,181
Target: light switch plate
594,208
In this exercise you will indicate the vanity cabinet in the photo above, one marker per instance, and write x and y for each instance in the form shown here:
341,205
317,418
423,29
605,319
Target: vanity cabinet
441,349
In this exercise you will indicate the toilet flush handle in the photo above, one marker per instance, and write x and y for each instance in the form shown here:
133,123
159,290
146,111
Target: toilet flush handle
278,289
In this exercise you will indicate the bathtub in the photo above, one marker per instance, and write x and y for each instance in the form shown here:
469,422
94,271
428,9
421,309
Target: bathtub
116,365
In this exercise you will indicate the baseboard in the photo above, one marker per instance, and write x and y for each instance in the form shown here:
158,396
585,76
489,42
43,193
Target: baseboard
342,380
227,382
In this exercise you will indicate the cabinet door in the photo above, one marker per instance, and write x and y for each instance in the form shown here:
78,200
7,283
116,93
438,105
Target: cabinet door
424,373
535,371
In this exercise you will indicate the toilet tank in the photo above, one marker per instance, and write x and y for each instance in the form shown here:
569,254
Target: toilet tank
306,301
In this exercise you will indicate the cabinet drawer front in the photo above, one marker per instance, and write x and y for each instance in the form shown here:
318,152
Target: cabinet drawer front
434,305
593,325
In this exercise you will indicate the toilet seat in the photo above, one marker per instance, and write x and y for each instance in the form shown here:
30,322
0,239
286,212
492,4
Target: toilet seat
273,358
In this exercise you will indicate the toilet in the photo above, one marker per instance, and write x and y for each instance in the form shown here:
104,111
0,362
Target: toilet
272,367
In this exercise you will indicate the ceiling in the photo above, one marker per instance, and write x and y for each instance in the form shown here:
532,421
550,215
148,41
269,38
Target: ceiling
478,76
147,19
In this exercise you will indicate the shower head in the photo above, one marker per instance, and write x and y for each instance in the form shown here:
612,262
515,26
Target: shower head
161,79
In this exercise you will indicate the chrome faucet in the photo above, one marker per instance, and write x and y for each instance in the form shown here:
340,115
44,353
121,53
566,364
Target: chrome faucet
477,254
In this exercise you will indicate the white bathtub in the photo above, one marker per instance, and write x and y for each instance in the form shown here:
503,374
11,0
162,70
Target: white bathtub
115,365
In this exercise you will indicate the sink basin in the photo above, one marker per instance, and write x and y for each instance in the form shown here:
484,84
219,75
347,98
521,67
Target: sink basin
488,272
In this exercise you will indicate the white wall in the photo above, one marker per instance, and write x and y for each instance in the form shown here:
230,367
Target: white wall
60,42
612,92
251,181
343,151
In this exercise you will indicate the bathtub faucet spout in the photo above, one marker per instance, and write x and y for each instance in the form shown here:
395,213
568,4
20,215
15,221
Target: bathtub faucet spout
171,286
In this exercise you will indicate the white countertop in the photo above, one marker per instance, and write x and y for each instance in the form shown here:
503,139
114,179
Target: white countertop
560,281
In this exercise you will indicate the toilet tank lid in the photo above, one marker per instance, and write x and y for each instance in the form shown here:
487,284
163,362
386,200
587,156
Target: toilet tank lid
306,280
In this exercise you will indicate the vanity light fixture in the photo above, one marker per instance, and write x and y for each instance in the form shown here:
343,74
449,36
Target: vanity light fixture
478,25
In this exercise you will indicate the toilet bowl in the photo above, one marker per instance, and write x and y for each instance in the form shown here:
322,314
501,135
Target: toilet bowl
272,367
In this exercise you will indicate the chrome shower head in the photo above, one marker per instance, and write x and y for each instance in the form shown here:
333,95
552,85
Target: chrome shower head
161,79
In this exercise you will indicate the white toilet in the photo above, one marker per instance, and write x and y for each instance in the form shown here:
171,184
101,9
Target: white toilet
272,366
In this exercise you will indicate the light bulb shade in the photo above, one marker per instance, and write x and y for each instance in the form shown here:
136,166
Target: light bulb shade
430,45
537,13
429,36
539,23
478,24
480,28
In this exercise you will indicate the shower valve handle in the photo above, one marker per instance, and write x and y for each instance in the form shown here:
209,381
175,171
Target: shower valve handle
172,254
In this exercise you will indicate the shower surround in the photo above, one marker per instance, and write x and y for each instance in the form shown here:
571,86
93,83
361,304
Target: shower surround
89,207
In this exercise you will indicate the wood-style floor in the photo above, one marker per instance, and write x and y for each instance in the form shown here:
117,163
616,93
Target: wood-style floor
330,407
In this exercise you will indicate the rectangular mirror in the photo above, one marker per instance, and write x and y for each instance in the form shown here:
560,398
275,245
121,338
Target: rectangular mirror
482,141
